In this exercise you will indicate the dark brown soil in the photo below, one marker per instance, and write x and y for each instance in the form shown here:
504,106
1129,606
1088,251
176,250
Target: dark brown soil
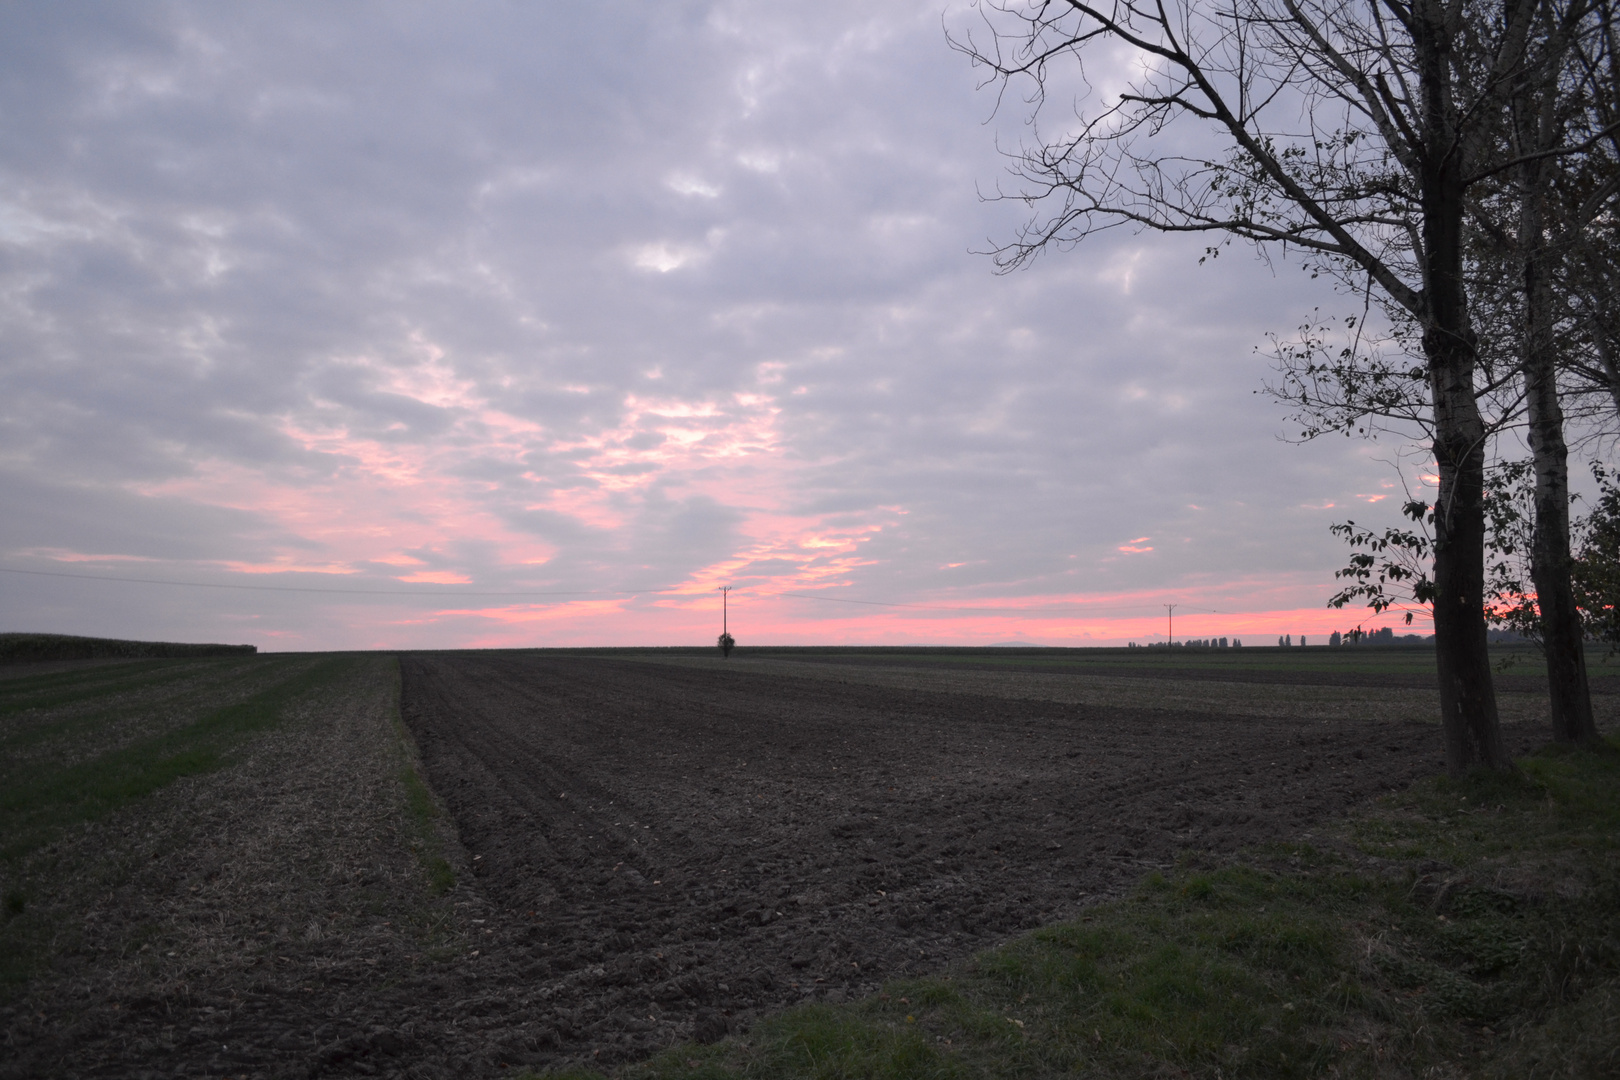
647,852
668,851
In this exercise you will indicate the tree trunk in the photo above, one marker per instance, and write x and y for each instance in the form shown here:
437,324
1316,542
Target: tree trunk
1550,559
1550,563
1467,691
1468,713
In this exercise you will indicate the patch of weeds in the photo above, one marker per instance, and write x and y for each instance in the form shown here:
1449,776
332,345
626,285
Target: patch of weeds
1198,887
422,810
825,1042
443,954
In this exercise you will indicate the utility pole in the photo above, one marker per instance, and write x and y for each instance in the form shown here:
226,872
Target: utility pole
1171,609
725,641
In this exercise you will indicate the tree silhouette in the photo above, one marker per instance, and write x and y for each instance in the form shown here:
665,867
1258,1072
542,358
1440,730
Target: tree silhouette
1355,132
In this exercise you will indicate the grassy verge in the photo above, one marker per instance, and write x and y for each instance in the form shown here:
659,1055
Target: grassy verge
422,810
1457,929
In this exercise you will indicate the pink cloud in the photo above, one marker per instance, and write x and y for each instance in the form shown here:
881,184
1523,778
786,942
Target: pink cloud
384,499
1257,611
437,577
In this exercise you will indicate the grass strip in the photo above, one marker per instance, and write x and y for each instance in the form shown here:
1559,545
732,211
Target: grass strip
422,810
1455,929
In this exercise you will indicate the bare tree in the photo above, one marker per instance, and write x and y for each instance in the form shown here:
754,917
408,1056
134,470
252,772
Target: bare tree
1533,229
1352,131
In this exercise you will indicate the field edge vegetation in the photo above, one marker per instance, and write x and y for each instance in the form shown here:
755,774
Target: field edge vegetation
1466,928
425,817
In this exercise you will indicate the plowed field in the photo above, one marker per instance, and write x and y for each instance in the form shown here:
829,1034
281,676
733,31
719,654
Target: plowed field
675,848
231,866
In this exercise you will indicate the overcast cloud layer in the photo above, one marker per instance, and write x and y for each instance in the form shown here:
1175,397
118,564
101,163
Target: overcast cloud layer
626,301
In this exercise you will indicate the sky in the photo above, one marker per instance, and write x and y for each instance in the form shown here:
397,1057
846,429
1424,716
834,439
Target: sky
420,325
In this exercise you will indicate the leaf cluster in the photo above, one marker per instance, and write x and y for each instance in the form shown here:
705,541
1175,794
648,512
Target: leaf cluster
1596,572
1389,568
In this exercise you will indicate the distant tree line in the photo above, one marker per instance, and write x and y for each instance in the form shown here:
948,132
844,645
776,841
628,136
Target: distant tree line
1382,636
1190,643
20,648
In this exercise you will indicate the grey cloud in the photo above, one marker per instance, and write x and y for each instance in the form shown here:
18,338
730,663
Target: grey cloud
104,520
219,219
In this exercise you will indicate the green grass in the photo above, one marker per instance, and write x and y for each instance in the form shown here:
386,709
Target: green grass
422,810
55,690
1465,928
73,714
40,798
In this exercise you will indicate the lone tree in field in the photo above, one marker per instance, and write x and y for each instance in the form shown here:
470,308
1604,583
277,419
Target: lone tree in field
1352,131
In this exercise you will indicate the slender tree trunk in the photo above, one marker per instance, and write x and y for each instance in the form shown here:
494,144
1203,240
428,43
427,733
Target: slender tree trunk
1467,691
1550,558
1550,563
